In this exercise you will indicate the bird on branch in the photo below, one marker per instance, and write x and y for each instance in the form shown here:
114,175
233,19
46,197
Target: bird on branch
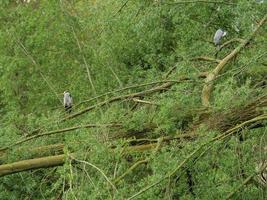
67,101
218,36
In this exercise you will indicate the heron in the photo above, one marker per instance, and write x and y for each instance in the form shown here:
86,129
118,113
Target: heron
67,101
218,36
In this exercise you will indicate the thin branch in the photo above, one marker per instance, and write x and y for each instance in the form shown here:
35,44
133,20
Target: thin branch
230,41
205,58
122,97
169,72
95,167
157,147
26,52
144,102
84,60
87,66
123,89
135,165
201,75
58,131
70,180
121,8
130,149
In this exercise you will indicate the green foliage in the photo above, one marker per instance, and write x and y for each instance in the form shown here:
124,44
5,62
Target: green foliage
93,47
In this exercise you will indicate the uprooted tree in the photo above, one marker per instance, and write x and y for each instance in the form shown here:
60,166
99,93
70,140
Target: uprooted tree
159,112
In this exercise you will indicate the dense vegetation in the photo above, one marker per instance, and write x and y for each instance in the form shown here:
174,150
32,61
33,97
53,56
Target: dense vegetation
159,112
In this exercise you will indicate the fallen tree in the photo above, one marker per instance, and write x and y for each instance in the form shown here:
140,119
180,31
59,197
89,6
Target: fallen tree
221,121
57,160
139,146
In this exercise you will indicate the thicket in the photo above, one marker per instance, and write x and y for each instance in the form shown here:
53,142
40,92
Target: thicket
159,112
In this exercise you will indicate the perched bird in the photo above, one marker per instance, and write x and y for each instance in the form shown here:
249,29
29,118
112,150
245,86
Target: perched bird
218,36
67,101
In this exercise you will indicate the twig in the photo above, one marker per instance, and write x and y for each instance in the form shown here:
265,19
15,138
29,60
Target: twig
96,188
159,144
95,167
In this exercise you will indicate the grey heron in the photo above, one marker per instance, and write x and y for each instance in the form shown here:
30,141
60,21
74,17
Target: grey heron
67,101
218,36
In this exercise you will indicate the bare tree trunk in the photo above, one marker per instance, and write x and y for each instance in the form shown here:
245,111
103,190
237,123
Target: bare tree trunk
20,166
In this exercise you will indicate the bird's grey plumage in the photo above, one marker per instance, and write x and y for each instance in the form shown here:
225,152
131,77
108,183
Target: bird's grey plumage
218,36
67,101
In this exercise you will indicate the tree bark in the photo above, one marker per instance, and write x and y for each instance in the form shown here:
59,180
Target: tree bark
20,166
